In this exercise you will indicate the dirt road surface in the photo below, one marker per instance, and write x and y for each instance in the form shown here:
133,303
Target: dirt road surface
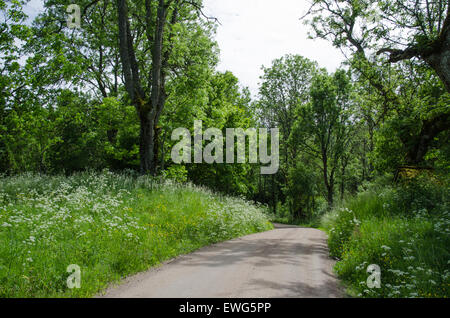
285,262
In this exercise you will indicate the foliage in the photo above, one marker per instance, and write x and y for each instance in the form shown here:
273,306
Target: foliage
176,173
403,229
322,128
111,225
109,95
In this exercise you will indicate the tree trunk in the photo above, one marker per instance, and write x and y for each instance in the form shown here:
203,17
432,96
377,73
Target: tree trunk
431,128
150,107
273,195
344,164
330,198
163,152
146,144
436,53
328,183
440,60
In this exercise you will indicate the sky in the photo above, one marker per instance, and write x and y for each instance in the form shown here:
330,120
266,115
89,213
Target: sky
33,8
255,32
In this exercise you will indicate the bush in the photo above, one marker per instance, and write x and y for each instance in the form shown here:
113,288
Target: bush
404,230
418,196
177,173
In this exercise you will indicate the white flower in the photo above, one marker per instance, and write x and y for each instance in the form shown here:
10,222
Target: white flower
6,225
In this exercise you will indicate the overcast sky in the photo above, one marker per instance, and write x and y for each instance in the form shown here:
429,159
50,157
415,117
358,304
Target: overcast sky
255,32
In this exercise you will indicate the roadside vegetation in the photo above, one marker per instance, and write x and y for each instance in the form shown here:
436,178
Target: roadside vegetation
404,229
111,225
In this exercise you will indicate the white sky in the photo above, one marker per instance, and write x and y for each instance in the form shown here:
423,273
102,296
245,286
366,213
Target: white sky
255,32
34,7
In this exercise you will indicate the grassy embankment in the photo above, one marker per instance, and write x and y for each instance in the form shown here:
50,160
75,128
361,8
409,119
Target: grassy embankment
110,225
403,229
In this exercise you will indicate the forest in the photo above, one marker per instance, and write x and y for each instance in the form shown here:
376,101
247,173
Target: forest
363,150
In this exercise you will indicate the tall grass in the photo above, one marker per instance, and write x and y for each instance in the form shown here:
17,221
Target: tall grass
108,224
404,230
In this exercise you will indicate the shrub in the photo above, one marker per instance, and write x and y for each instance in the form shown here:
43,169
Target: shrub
404,230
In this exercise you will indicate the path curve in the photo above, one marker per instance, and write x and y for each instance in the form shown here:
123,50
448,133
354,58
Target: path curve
288,261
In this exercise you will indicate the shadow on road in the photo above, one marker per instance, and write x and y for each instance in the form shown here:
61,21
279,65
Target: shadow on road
261,252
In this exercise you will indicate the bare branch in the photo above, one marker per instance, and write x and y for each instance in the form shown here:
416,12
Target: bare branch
200,10
396,55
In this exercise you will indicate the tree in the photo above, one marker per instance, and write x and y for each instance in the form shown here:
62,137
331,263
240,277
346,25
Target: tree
429,23
418,128
415,32
285,85
144,46
22,141
145,79
302,188
323,127
220,103
405,29
84,58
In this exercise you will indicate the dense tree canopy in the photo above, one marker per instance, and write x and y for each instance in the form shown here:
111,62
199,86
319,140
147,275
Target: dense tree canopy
109,93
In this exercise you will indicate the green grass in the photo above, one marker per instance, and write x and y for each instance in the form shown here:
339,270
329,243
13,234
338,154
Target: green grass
110,225
404,230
